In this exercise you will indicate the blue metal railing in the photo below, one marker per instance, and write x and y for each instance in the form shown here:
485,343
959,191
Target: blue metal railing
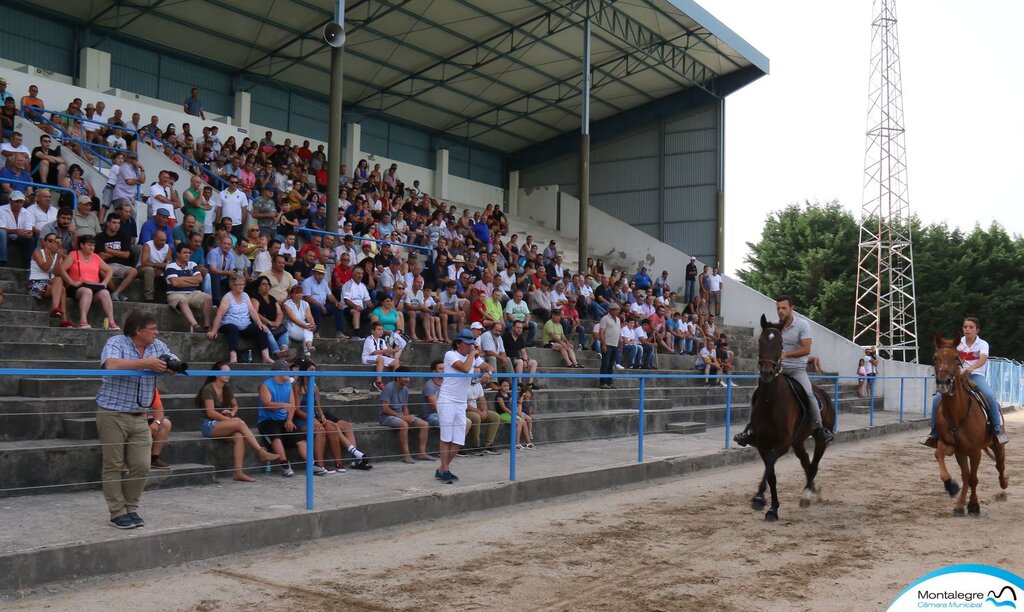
361,238
642,380
91,146
223,184
74,196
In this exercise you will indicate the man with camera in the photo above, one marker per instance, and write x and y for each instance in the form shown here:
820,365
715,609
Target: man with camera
125,436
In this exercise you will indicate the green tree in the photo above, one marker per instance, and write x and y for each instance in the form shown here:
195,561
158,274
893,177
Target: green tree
810,252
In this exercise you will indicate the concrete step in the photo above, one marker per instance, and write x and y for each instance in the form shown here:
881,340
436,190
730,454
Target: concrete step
686,427
73,465
28,318
12,350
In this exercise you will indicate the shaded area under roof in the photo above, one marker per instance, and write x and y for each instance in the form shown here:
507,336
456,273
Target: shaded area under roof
502,73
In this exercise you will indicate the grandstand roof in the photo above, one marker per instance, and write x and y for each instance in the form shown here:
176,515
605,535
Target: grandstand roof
503,73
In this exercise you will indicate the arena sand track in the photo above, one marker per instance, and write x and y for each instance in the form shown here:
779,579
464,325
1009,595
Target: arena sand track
690,543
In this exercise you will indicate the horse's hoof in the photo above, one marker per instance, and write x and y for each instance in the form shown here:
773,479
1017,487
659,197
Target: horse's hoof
757,503
958,511
817,489
771,516
974,509
1001,496
951,487
805,503
805,498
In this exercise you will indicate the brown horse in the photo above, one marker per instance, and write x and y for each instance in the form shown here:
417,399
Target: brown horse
779,423
963,429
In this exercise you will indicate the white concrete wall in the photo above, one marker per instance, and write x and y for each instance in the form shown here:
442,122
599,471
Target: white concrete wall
57,90
539,204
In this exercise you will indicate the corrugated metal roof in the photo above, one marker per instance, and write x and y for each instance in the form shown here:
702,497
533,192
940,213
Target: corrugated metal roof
504,73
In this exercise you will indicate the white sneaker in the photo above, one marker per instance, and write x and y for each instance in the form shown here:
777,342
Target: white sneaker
721,383
732,383
287,471
319,471
619,367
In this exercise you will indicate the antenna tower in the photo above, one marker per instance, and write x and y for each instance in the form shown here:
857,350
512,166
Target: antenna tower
885,313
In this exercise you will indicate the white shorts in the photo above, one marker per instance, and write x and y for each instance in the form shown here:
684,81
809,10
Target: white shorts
451,418
373,359
476,391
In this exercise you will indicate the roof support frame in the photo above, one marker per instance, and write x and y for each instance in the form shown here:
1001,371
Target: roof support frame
689,32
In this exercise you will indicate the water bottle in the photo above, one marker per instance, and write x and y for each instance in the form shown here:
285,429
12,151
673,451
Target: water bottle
248,356
106,323
267,468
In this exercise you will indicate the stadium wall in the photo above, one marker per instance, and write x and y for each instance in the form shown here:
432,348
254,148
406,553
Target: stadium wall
663,178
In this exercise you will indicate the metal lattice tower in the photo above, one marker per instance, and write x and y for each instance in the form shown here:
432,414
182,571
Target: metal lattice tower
885,313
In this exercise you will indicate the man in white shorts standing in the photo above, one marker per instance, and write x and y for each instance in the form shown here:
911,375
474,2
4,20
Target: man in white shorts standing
451,400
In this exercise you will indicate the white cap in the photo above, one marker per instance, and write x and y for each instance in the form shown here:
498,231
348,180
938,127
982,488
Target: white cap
476,325
17,195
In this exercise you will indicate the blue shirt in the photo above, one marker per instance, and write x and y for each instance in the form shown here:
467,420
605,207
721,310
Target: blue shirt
279,392
128,393
8,174
643,281
217,259
483,233
193,106
149,228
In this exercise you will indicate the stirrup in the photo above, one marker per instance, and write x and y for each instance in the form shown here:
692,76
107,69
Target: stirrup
930,442
1001,436
822,434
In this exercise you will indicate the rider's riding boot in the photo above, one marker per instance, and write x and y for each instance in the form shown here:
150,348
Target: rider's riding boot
822,434
745,437
931,441
1000,436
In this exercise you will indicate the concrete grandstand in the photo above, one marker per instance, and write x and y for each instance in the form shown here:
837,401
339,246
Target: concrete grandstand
478,102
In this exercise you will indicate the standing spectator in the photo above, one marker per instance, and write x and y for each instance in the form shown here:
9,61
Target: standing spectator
235,206
451,401
715,292
130,175
184,281
193,105
275,419
394,413
862,373
237,318
870,367
220,420
264,210
196,204
691,280
124,435
610,335
4,94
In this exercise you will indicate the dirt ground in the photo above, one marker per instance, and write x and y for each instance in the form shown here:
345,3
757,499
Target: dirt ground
691,543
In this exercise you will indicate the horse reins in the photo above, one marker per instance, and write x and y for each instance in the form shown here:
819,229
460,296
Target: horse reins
776,366
953,430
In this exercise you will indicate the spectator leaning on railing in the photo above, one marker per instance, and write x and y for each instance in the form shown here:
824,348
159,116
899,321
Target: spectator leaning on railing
124,434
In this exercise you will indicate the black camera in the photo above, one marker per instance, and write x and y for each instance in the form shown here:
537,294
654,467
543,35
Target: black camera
175,365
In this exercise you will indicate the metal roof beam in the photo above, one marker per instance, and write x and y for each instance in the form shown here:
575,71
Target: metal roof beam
661,51
543,41
505,37
690,32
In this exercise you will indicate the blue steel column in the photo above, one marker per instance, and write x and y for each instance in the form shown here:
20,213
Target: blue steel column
835,425
585,146
310,407
640,425
512,434
728,414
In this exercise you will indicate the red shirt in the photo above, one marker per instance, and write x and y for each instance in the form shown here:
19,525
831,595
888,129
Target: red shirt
304,153
309,246
341,275
476,311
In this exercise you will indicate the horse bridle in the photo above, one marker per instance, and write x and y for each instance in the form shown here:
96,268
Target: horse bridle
775,364
951,375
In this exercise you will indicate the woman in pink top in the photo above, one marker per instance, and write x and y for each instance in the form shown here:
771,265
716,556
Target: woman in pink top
86,276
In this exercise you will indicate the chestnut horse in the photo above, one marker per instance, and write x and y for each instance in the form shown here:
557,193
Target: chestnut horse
779,423
963,429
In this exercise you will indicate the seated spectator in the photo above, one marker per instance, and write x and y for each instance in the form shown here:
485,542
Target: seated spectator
183,231
503,406
451,306
44,280
643,279
47,164
357,299
526,408
378,351
221,262
338,434
554,339
540,301
184,289
431,387
114,246
394,324
632,351
322,302
516,309
299,316
14,178
85,221
707,362
61,227
571,323
494,311
493,346
86,277
220,420
394,412
515,343
483,423
418,306
725,356
281,281
156,254
276,416
662,284
272,317
648,345
237,318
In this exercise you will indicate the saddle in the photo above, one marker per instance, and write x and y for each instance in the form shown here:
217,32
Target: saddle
801,398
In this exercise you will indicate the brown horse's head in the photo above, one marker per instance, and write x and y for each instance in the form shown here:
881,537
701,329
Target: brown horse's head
947,364
769,351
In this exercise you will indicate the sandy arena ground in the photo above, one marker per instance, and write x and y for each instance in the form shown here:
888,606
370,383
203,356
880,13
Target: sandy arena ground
691,543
